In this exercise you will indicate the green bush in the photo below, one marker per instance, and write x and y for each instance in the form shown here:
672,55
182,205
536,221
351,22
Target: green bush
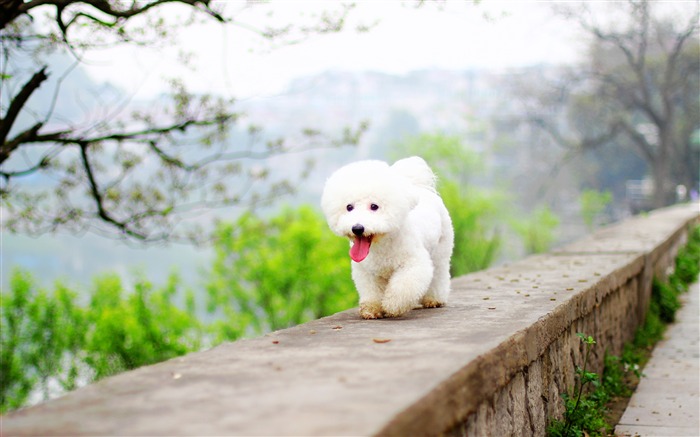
537,230
40,337
688,259
276,273
584,409
477,240
132,328
448,156
653,328
476,214
16,382
666,297
48,337
615,370
666,294
593,203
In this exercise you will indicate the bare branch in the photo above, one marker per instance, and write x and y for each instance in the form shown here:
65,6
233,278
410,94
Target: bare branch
42,163
9,10
639,140
15,8
13,110
107,8
22,138
576,143
672,61
142,135
547,125
635,53
97,197
626,94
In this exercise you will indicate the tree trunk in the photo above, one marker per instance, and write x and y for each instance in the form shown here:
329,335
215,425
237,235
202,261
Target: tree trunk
664,187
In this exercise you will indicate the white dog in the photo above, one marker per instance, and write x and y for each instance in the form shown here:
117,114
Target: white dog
401,234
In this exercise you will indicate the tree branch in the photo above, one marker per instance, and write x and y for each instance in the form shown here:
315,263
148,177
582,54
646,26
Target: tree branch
673,59
636,62
9,10
44,162
8,147
16,105
638,140
19,7
143,135
105,7
602,139
97,197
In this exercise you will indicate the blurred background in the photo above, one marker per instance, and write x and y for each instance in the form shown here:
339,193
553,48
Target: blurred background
162,163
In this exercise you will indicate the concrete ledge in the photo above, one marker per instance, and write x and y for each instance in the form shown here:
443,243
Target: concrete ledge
493,362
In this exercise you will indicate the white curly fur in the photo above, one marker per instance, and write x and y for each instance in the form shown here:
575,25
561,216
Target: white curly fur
406,227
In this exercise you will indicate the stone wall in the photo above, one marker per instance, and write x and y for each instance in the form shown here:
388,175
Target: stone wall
611,311
493,362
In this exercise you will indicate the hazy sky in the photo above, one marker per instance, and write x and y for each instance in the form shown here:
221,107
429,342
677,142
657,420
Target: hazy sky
234,61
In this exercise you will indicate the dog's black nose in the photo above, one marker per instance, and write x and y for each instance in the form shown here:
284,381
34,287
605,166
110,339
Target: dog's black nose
358,229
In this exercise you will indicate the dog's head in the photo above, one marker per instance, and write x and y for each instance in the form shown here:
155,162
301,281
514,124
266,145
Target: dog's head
366,200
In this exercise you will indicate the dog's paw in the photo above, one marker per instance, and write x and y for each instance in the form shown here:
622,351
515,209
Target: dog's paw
371,310
430,302
394,308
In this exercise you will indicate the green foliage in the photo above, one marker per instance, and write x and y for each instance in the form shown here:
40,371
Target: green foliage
593,203
537,230
666,294
41,332
15,383
666,297
131,329
585,409
272,274
584,413
49,340
653,328
615,371
688,259
475,212
449,157
581,417
478,215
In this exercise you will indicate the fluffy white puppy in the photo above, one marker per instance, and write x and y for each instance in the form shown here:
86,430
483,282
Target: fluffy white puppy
400,232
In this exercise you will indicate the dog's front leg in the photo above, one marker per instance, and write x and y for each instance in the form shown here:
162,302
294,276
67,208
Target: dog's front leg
371,289
408,285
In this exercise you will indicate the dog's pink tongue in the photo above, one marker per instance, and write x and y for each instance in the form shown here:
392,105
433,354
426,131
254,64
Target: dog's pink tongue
360,249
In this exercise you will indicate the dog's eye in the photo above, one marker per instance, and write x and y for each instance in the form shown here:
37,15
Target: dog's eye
374,207
349,207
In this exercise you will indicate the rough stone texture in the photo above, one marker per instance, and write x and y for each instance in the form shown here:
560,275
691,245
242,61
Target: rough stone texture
493,362
618,310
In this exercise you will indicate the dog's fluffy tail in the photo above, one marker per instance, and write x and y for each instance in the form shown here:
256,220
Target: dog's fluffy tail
416,170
